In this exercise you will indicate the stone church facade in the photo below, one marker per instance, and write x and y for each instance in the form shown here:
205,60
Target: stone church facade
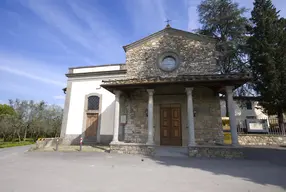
167,93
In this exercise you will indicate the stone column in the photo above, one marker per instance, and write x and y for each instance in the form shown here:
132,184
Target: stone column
116,116
150,140
231,113
190,114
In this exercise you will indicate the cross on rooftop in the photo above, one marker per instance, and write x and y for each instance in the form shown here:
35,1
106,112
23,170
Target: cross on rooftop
168,22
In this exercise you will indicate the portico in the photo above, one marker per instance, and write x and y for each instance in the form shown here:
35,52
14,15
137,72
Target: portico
185,104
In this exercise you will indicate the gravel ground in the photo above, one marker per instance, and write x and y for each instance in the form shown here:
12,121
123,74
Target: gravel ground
23,171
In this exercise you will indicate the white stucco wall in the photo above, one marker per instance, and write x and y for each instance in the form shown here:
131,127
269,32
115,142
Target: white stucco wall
79,90
242,112
97,69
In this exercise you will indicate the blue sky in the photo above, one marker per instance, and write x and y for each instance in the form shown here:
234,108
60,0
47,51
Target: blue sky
41,39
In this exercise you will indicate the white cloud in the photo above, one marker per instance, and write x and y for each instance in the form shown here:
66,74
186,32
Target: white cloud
106,38
31,76
4,102
59,97
56,41
55,17
86,27
32,69
147,16
193,15
161,8
61,105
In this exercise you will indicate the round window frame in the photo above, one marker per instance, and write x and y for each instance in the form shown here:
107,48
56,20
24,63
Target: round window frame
168,54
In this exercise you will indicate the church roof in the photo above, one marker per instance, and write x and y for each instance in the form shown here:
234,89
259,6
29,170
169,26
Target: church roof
169,30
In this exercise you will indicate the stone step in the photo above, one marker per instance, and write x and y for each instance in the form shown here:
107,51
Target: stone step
167,151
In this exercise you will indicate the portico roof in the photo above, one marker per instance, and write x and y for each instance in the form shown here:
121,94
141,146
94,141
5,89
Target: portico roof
216,81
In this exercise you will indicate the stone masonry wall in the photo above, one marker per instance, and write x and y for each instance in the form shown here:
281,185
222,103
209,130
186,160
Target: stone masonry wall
208,124
216,152
133,148
196,57
134,106
261,140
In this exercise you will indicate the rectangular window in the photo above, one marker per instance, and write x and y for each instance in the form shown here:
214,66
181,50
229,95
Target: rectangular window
248,105
93,103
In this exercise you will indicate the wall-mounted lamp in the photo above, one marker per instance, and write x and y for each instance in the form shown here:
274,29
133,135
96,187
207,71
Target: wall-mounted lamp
195,112
146,112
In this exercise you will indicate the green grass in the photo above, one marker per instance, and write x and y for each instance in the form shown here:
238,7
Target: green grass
15,143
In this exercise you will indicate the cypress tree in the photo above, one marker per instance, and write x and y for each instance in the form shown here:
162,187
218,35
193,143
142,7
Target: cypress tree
268,57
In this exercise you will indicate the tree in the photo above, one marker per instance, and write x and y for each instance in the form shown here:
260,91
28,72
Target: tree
29,119
6,110
224,20
30,114
7,115
6,128
53,119
268,58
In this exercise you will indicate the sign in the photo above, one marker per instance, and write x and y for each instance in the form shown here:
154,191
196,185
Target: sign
257,125
123,119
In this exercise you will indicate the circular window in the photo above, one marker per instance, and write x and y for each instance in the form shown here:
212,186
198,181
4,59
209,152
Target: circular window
168,62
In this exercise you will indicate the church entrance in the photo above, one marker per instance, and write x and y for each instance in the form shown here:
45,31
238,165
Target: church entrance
170,125
91,124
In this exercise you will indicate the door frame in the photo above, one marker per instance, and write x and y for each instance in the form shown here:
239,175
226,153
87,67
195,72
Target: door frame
167,99
170,106
86,111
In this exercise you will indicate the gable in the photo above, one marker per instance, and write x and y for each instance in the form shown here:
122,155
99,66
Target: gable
170,31
191,54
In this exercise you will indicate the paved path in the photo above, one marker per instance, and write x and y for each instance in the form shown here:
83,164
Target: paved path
13,152
22,171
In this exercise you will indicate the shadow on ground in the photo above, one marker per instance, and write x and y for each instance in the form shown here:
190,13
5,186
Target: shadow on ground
104,148
261,166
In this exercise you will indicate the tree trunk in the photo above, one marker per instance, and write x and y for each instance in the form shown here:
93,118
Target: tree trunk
56,135
19,136
281,121
13,135
4,137
25,134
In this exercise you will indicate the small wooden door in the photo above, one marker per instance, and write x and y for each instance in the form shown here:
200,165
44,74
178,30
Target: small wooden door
170,125
91,124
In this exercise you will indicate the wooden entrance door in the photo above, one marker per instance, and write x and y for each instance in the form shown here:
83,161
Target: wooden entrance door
91,124
170,125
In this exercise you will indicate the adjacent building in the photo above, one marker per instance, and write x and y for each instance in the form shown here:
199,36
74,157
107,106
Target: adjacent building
245,108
